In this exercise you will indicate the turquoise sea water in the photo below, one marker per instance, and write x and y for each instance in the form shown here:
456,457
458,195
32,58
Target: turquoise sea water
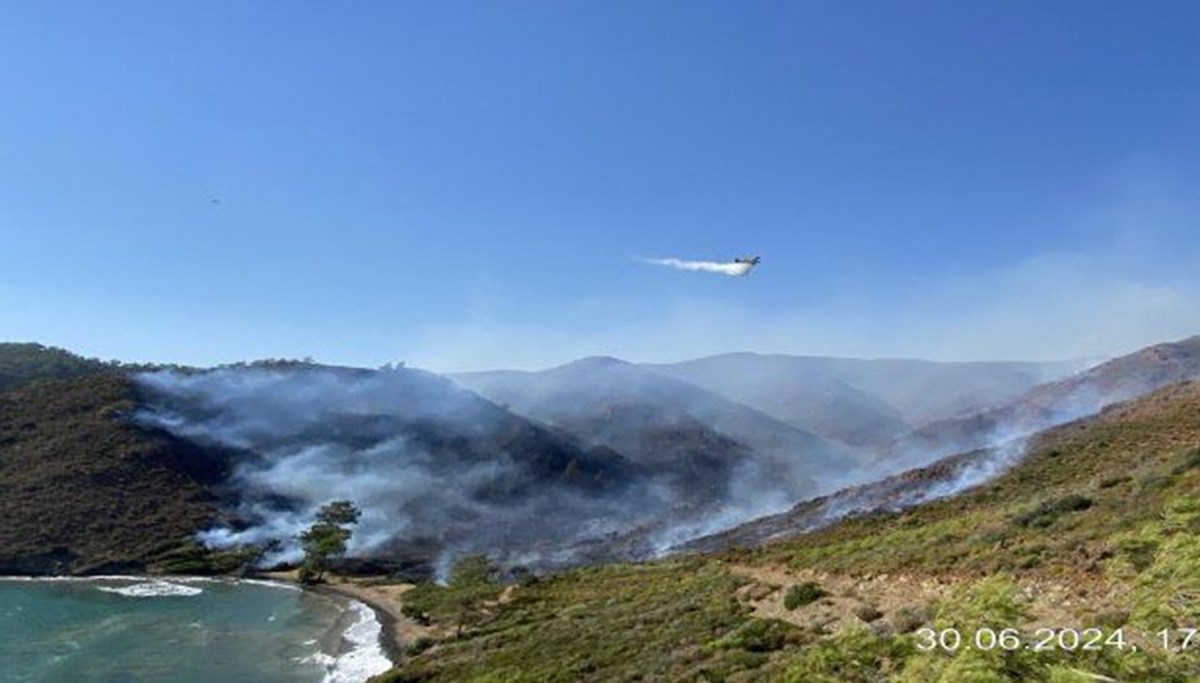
134,630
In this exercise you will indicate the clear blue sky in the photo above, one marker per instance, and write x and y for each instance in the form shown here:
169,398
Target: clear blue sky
470,185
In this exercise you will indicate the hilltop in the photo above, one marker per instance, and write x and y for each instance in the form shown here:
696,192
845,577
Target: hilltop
21,363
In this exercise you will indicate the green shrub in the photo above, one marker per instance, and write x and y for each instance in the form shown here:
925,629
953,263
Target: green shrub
856,656
867,613
760,635
1191,461
415,613
1111,619
419,645
1166,590
802,594
1048,511
909,619
995,603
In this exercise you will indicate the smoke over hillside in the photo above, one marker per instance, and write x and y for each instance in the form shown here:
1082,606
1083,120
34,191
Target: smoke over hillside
1049,404
605,459
959,454
948,477
438,471
651,418
433,468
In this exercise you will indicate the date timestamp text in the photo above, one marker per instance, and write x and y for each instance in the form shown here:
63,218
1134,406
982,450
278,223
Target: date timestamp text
1046,639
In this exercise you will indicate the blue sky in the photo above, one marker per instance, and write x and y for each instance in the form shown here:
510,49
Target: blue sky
468,185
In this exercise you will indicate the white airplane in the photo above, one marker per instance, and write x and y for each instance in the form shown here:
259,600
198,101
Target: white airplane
742,266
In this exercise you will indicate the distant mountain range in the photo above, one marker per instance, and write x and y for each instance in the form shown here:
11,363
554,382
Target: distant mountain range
863,403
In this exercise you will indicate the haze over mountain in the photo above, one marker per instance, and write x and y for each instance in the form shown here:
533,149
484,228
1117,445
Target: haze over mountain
654,418
1049,404
861,402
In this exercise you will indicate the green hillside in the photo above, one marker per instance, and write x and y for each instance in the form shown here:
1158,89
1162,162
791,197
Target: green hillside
82,490
1095,529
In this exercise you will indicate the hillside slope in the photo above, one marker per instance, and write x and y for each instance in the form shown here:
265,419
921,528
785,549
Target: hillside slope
83,490
1051,403
1094,529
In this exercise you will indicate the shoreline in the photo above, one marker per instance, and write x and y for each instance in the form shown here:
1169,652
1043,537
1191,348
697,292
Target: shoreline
390,640
397,631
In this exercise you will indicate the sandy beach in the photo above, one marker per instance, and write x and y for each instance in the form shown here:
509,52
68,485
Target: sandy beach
385,598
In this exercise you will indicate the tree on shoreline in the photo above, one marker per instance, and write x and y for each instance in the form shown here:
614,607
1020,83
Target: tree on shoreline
326,538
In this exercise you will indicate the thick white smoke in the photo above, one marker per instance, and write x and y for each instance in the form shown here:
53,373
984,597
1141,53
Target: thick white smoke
947,478
899,493
432,467
437,471
732,268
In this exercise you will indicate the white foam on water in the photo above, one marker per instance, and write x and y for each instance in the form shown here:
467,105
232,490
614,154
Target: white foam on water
153,589
365,658
269,583
266,582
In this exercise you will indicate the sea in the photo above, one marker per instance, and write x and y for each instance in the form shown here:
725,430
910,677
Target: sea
182,630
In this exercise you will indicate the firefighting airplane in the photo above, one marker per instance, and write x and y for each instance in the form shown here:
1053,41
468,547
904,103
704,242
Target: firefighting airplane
742,266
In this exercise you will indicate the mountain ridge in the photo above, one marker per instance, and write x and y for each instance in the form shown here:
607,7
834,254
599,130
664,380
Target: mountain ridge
1044,405
622,404
863,402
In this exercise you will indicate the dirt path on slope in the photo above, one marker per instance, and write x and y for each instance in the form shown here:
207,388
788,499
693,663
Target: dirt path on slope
899,602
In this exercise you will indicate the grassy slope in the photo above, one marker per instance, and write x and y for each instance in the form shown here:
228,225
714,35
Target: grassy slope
1127,463
81,489
1102,517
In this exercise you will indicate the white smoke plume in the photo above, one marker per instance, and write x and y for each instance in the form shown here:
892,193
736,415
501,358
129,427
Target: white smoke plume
432,467
949,477
731,268
437,471
899,493
959,454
